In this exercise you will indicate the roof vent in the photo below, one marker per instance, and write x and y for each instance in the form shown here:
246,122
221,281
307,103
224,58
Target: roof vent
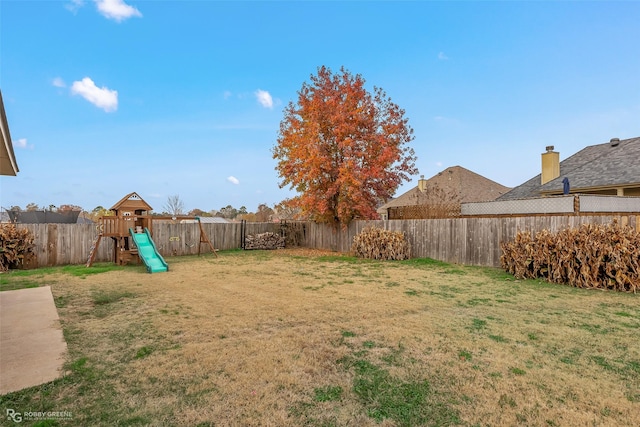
614,142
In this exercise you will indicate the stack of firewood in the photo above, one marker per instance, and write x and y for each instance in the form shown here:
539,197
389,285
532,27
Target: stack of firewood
591,256
376,243
264,241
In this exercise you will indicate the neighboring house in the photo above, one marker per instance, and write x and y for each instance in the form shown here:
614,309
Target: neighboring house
207,220
8,164
84,220
43,217
46,217
612,168
442,194
213,220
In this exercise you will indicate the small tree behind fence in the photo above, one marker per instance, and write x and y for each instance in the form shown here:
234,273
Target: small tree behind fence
430,211
434,202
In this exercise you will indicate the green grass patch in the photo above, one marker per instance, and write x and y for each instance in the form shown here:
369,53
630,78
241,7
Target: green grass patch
16,283
517,371
24,279
423,262
623,314
465,355
143,352
407,403
342,258
596,329
456,271
385,397
498,338
82,270
327,394
109,297
478,301
478,325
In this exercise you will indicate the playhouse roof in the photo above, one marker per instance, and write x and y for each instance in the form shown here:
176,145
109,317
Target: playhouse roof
132,202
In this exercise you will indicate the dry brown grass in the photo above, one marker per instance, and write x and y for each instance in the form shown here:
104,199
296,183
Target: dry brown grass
247,338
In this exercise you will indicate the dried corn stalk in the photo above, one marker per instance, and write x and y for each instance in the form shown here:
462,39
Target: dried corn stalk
16,247
591,256
376,243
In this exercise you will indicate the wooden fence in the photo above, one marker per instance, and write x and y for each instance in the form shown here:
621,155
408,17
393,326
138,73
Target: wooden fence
62,244
470,241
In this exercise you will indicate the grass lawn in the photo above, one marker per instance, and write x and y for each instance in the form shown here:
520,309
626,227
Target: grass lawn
304,338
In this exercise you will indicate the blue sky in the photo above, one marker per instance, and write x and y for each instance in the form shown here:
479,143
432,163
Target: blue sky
185,98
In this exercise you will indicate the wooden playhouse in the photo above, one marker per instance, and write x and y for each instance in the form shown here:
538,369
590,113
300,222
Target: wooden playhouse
130,212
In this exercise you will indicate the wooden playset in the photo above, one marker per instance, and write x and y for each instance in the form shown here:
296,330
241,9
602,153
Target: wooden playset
131,215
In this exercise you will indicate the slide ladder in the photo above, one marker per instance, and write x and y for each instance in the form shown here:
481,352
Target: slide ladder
148,252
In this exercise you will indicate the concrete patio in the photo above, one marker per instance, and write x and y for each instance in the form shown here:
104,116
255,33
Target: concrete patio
32,346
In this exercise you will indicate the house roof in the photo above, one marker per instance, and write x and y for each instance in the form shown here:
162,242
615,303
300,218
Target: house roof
131,201
596,166
213,220
8,164
460,183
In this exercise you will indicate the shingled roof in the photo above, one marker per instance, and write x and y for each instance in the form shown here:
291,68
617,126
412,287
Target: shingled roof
460,183
593,168
131,202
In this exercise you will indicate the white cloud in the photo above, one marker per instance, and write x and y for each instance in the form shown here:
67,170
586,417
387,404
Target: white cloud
103,97
232,179
442,56
21,143
74,5
264,98
58,82
439,164
117,10
227,94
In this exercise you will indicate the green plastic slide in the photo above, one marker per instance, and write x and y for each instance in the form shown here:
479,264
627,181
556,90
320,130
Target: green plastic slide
148,252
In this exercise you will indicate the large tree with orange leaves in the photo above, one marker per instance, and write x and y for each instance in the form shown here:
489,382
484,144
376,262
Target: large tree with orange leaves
343,149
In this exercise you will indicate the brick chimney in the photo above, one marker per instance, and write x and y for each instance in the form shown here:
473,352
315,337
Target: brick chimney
422,183
550,165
